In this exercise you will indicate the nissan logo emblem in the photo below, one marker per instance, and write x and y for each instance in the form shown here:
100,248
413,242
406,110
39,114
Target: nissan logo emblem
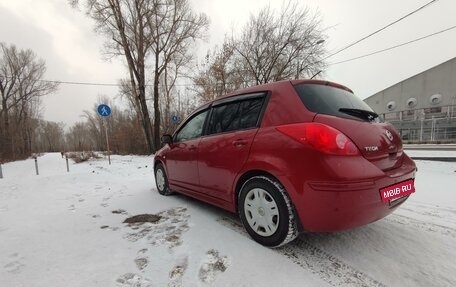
389,135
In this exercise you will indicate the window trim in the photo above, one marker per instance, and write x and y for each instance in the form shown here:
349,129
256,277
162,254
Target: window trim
239,98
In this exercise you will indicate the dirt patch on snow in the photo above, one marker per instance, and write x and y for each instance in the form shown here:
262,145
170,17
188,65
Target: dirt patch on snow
142,218
164,228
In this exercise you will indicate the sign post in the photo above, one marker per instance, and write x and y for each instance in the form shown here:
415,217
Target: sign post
36,165
105,111
68,167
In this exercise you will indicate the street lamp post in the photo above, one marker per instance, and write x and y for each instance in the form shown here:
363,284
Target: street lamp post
299,68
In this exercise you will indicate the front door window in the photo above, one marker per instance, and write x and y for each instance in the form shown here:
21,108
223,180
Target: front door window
192,129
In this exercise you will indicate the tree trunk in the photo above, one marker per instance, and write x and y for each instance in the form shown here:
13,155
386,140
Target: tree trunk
6,137
146,118
156,105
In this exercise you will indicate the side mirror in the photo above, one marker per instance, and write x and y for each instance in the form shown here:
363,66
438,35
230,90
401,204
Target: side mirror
167,139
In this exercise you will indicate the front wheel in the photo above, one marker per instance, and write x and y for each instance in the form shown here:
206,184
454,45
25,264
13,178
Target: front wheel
161,180
266,212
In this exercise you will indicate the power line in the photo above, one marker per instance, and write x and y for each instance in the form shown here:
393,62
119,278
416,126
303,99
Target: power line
94,84
381,29
330,64
393,47
80,83
69,82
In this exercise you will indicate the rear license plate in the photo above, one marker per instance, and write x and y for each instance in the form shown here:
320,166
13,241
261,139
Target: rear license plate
397,190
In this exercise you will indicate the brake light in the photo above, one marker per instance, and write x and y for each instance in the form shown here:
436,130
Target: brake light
321,137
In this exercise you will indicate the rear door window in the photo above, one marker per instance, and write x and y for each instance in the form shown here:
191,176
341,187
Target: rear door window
235,115
331,101
225,118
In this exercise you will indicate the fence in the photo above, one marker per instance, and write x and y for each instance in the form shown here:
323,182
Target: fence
432,125
35,158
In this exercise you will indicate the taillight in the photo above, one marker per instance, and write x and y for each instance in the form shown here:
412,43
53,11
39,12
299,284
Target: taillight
321,137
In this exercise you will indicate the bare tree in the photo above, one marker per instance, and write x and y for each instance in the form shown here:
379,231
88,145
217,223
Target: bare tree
273,47
169,78
95,125
78,138
174,29
171,102
124,131
162,29
218,74
125,23
21,85
126,92
51,136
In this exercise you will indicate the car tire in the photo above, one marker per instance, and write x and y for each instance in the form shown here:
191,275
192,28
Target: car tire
266,212
161,180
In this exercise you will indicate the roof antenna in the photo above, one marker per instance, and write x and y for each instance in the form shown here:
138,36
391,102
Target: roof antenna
316,74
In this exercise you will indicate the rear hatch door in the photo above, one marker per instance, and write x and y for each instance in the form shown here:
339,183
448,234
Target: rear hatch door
339,108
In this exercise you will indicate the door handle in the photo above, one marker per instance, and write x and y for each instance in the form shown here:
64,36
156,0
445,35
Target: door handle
192,148
240,142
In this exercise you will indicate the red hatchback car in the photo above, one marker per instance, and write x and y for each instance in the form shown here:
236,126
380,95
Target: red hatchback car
289,156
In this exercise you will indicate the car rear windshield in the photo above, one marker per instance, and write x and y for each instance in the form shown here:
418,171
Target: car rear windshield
334,101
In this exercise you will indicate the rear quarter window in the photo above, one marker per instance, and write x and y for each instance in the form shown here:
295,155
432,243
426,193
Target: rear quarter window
235,115
328,100
250,112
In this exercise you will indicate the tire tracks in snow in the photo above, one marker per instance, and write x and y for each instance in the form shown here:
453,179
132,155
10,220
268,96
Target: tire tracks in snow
326,266
430,210
422,225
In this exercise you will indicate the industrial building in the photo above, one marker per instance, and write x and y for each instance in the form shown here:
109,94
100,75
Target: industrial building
423,107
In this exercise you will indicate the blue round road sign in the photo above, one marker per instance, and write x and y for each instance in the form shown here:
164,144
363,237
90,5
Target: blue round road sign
175,118
104,110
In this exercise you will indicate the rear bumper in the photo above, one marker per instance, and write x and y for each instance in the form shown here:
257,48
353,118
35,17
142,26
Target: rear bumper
340,205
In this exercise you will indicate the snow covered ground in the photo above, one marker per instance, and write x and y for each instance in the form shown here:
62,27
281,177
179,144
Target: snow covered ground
65,229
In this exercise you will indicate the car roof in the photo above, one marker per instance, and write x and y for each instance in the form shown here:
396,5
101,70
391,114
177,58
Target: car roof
263,88
269,86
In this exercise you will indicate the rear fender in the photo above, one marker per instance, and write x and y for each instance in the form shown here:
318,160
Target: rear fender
273,168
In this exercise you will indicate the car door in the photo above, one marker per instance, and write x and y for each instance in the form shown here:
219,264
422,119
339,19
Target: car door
225,148
181,160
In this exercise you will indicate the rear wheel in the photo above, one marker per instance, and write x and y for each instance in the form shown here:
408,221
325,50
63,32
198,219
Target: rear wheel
161,180
267,212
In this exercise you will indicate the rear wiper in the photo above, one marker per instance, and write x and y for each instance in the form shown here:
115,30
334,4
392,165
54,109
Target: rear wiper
362,114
